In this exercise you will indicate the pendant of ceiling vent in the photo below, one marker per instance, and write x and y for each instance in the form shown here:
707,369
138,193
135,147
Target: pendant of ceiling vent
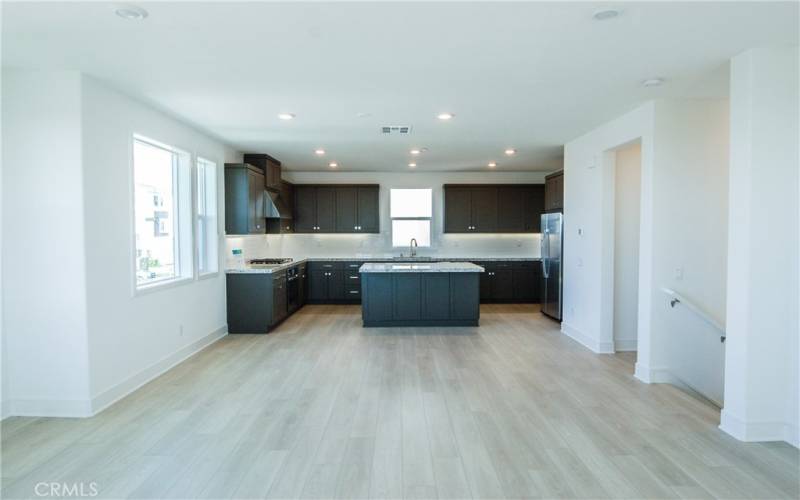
396,129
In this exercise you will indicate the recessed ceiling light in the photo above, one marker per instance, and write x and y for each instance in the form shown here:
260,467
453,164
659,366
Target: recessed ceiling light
412,165
605,14
492,164
510,152
333,164
445,116
131,12
415,152
286,116
653,82
319,152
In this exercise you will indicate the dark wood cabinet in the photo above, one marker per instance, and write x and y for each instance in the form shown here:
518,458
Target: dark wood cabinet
244,199
417,299
279,305
554,192
336,208
533,199
283,225
510,281
457,209
501,208
369,209
329,283
269,166
305,209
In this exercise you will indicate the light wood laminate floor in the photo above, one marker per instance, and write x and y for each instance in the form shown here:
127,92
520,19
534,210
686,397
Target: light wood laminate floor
323,408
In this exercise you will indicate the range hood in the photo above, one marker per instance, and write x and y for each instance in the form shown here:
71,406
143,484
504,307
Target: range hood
276,206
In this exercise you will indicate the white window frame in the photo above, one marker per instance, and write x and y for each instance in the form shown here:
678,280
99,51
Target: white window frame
199,219
183,228
429,219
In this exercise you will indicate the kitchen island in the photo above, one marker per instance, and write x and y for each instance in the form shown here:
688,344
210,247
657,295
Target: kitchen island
420,294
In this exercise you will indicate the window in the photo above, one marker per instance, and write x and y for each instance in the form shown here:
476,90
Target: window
410,210
207,231
162,213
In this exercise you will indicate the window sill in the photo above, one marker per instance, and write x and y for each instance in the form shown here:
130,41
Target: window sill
207,276
162,285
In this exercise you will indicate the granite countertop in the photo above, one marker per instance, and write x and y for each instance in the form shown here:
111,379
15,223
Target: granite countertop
248,269
422,267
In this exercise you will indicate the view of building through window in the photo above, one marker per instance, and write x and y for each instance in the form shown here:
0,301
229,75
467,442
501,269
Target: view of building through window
154,171
410,210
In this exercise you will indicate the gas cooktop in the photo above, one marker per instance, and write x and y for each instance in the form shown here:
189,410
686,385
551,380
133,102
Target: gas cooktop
269,262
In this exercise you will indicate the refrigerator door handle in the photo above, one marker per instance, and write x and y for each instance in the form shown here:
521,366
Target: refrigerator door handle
544,255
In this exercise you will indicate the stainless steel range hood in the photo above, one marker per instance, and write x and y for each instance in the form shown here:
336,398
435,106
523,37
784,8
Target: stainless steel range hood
276,206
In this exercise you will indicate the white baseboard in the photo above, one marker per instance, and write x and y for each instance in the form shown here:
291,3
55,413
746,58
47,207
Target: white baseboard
90,407
655,375
758,431
626,345
586,341
119,391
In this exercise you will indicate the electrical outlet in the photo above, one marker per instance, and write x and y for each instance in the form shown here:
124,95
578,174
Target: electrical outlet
678,274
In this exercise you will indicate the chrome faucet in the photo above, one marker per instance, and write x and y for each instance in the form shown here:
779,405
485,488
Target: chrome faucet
413,247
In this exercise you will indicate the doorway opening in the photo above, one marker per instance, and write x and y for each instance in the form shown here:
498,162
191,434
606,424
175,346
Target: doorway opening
627,176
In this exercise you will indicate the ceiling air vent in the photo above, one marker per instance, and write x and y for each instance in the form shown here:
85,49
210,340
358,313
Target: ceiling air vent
396,129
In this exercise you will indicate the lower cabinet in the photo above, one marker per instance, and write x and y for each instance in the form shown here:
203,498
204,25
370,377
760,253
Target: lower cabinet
420,299
510,282
333,283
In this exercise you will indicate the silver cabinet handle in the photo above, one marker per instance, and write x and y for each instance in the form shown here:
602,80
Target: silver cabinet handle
353,277
353,291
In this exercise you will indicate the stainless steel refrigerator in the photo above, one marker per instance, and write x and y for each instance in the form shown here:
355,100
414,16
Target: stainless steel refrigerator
552,239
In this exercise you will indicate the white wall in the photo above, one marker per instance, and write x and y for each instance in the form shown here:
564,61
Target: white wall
627,183
44,267
330,245
76,337
761,385
683,198
588,229
131,337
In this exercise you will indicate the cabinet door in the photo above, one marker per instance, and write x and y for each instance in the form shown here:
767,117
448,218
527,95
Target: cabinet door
273,177
534,207
465,303
407,288
279,302
511,214
457,210
503,284
484,209
368,209
554,192
302,284
436,296
346,206
336,288
305,209
486,282
378,302
318,285
255,203
326,209
525,285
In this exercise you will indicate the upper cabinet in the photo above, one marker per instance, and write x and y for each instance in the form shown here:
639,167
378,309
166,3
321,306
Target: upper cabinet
336,208
501,208
245,208
271,168
554,192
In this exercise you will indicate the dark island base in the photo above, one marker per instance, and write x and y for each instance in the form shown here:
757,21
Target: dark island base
420,299
423,322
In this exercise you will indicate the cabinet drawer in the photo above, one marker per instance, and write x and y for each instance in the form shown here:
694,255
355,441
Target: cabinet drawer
352,266
324,266
503,265
352,277
528,264
352,292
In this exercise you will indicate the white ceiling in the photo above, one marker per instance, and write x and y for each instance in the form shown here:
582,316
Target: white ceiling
525,75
